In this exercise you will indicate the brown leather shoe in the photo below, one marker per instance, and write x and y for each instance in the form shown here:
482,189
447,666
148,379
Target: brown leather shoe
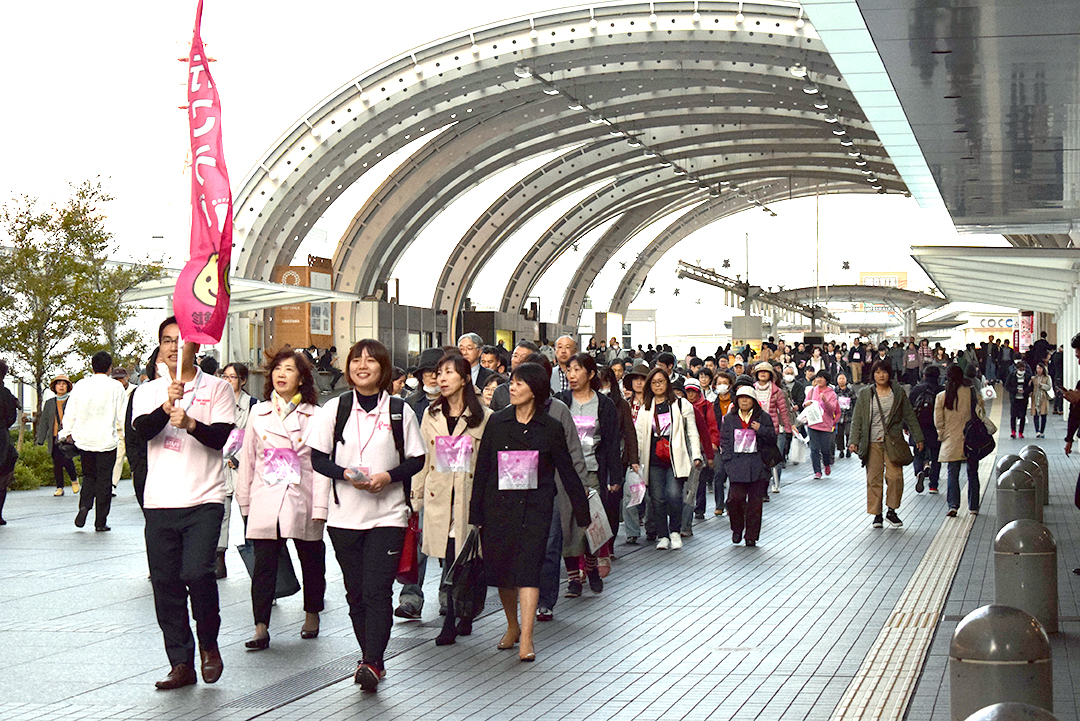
180,676
211,664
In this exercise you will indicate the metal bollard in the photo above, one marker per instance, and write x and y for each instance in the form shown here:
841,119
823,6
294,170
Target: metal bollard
998,654
1025,571
1003,464
1012,712
1038,455
1033,468
1015,496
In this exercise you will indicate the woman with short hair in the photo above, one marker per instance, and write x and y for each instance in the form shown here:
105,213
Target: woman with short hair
746,429
514,496
368,508
279,494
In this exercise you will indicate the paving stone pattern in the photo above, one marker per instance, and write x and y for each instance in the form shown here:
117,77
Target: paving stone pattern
712,631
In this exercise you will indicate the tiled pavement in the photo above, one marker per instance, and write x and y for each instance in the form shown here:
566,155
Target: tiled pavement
711,631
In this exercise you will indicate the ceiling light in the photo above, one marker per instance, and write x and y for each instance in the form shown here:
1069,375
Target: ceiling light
592,23
679,171
596,119
800,23
475,49
551,90
633,143
615,131
696,17
821,104
798,70
831,119
575,105
839,131
860,162
866,171
649,153
522,72
853,153
652,19
847,142
725,182
809,88
739,18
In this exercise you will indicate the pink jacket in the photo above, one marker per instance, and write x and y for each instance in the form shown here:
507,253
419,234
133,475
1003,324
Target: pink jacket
779,410
290,506
830,407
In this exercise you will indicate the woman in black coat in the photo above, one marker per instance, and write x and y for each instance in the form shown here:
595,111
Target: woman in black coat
514,495
746,422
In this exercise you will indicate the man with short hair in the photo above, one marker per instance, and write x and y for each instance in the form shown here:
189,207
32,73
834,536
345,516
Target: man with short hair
501,397
120,375
666,361
185,416
565,348
95,421
491,357
470,345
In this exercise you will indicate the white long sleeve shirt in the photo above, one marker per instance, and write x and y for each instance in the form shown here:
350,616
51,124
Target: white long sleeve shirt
94,416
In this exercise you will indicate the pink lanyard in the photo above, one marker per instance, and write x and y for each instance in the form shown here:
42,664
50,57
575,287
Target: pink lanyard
374,426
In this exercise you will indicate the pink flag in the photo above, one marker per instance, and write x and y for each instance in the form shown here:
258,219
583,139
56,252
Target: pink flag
201,298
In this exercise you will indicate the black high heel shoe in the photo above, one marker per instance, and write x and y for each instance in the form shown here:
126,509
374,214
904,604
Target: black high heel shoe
258,644
464,628
304,633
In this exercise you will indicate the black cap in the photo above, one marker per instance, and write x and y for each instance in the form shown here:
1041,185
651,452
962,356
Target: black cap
429,360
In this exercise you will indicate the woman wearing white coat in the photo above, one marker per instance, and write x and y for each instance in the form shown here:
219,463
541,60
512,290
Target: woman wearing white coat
670,450
279,494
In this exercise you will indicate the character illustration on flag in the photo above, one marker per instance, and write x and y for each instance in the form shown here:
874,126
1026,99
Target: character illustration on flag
201,298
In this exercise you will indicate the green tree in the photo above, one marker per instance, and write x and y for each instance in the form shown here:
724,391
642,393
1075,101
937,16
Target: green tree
58,296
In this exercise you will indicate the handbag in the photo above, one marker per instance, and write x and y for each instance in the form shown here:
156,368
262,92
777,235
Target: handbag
770,454
465,577
799,452
408,572
287,584
812,414
598,532
898,453
663,445
978,442
988,393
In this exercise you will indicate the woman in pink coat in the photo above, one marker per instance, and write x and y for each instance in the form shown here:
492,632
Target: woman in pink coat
823,434
772,399
279,495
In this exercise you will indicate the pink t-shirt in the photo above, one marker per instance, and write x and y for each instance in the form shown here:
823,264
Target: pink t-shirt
181,471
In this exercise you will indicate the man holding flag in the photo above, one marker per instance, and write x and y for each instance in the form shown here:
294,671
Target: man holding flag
186,416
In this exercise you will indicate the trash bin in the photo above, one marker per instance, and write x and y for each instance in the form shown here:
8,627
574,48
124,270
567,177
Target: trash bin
1035,453
1036,475
1012,712
1015,497
1025,571
998,654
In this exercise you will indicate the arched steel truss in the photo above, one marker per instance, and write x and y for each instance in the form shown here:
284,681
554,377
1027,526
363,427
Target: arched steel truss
714,94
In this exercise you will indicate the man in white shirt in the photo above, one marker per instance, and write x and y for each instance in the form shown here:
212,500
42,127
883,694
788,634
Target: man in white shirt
95,420
185,423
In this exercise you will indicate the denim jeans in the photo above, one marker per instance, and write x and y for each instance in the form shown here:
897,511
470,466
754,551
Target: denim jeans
973,484
552,568
1040,422
666,492
821,448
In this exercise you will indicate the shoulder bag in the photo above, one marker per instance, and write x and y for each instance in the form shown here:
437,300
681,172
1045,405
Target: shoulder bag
898,453
978,442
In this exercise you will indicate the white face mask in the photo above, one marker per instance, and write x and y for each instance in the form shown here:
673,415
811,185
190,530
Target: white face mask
431,391
722,389
789,378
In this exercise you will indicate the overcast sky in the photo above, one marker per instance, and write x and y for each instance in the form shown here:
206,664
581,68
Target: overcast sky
93,89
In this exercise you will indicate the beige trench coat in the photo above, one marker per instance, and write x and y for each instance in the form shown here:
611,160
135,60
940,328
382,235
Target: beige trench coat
444,495
290,506
950,423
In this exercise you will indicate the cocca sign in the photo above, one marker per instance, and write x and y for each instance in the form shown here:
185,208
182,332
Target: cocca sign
997,322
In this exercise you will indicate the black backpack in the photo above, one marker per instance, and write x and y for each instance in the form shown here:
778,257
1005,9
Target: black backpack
924,407
397,427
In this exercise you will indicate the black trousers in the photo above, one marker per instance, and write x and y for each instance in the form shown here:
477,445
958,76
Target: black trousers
312,556
1018,414
61,463
744,507
181,545
369,562
97,483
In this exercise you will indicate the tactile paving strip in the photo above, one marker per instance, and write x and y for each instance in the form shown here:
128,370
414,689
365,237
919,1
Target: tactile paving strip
883,686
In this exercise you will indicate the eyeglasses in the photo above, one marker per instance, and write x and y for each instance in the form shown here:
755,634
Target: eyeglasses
231,377
168,341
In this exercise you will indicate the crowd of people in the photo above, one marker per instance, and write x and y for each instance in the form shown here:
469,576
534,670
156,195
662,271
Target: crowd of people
539,453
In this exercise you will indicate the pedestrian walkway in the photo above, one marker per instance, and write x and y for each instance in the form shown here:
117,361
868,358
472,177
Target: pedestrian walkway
714,630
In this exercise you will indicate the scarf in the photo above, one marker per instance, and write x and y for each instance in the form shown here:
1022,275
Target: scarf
282,407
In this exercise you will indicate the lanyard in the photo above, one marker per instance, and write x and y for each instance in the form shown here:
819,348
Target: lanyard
198,382
374,426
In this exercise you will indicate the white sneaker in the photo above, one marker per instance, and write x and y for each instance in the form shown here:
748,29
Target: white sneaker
663,544
776,488
676,541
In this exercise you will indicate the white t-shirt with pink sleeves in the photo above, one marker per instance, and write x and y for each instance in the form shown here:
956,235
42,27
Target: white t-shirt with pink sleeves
181,471
369,443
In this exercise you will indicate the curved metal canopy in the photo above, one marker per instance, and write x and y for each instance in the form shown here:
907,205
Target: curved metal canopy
659,103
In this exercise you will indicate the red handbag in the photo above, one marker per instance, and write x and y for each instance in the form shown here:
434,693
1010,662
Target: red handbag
663,445
408,572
